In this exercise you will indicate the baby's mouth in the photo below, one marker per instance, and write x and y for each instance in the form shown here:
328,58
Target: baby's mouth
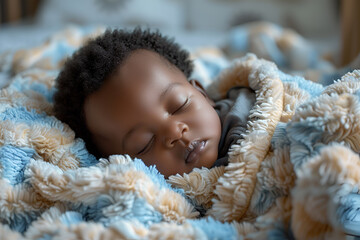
193,151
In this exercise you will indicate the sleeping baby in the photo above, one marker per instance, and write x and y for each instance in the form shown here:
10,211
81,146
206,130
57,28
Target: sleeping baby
129,93
235,153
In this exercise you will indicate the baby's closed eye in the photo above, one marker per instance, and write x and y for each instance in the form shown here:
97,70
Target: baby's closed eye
182,107
148,145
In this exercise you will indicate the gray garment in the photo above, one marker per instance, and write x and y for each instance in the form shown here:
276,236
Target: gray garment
233,112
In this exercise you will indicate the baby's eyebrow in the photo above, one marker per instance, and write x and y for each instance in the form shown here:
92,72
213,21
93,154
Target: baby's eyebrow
168,89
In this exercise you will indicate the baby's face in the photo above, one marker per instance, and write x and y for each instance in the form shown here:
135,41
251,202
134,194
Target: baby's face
149,110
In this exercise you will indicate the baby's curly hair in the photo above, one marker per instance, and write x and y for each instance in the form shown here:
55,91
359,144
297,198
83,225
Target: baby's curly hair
88,68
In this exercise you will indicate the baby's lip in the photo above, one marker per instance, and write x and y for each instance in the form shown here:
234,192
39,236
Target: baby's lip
193,151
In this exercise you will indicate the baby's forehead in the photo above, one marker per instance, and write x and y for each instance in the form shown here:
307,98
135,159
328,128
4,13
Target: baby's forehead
142,66
140,59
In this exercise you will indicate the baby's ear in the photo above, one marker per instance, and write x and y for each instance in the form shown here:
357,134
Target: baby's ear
196,84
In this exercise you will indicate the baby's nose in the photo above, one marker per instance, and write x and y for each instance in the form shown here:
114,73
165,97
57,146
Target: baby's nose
175,133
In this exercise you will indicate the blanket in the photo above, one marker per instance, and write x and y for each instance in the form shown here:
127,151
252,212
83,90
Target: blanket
287,178
291,53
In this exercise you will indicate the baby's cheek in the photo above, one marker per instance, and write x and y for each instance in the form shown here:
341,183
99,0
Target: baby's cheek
212,123
212,155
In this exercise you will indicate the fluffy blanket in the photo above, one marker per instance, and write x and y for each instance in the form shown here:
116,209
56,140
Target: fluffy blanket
287,178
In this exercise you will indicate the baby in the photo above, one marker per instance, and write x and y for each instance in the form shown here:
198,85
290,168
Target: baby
129,92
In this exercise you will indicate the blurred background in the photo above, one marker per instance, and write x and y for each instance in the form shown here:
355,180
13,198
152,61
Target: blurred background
193,23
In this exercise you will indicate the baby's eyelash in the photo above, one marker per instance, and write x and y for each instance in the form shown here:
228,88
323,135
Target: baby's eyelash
147,147
182,106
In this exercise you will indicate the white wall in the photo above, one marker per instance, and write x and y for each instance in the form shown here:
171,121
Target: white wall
159,13
308,17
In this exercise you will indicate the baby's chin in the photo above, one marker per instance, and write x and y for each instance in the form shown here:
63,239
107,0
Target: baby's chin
206,163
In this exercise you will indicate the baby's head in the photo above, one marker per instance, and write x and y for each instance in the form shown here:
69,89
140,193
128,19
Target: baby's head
129,93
